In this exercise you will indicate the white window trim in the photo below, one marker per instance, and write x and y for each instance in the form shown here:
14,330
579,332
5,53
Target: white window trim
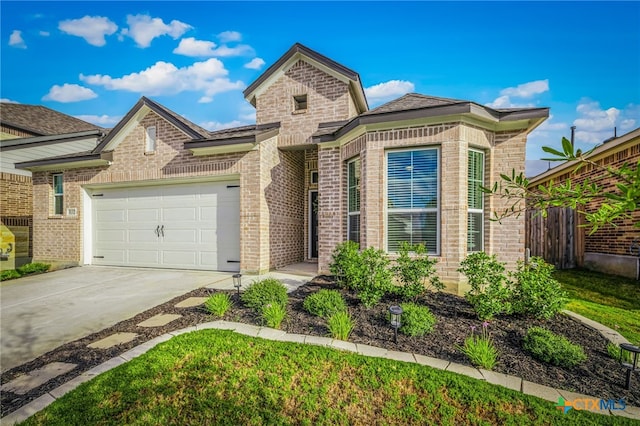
354,213
480,210
57,195
438,191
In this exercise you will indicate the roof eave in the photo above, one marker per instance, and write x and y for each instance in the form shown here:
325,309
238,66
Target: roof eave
89,160
45,140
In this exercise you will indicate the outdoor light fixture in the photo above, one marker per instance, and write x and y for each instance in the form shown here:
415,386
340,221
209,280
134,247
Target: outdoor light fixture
237,282
628,351
396,313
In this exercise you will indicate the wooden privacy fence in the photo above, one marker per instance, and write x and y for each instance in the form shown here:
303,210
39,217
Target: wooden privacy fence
556,238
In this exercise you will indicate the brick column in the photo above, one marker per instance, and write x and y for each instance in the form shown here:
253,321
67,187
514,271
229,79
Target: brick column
371,196
331,220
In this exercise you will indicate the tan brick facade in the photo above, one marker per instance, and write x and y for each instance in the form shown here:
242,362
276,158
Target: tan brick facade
16,206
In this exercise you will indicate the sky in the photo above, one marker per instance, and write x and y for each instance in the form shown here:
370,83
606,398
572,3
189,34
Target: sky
94,60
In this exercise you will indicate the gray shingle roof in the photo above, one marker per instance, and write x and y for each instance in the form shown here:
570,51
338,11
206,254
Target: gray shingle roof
412,101
40,120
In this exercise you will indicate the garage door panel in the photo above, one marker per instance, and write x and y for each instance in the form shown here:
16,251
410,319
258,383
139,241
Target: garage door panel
201,226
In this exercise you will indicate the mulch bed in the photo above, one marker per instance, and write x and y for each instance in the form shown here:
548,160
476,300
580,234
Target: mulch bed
599,375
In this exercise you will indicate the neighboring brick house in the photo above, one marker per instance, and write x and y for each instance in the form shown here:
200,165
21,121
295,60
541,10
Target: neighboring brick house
30,132
608,249
317,168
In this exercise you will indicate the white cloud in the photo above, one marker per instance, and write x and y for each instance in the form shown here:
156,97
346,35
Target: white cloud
227,36
595,124
239,50
388,90
100,120
91,28
521,91
191,47
9,101
216,125
255,64
15,40
209,77
205,100
44,33
143,29
69,93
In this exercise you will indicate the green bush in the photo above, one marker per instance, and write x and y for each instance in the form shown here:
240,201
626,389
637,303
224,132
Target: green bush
346,265
549,347
479,348
490,292
535,292
614,352
340,325
416,272
416,320
261,293
218,304
9,274
33,268
324,303
376,280
273,314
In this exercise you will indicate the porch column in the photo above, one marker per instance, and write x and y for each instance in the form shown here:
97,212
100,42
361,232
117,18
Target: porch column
331,209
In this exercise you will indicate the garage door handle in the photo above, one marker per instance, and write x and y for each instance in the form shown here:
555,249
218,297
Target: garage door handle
162,230
157,231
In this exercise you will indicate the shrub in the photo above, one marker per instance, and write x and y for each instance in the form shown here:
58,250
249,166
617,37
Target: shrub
490,292
273,314
376,280
535,292
416,320
340,325
33,268
324,303
614,352
549,347
416,272
218,304
9,274
261,293
480,349
346,264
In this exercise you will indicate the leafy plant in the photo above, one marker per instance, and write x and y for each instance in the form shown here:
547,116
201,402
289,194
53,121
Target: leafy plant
340,325
535,292
490,292
261,293
273,314
416,320
324,303
218,304
346,264
9,274
376,280
549,347
33,268
416,271
479,348
614,352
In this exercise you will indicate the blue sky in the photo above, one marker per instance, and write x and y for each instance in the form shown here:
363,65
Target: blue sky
94,60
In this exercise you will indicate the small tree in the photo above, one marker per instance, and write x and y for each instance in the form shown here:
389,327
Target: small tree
416,272
490,292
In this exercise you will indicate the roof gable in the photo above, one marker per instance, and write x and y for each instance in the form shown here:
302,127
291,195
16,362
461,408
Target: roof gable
300,52
40,120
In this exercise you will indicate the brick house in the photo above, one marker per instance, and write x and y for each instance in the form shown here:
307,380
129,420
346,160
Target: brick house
609,249
30,132
316,169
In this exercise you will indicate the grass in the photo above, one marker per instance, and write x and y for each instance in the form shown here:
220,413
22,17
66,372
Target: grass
220,377
608,299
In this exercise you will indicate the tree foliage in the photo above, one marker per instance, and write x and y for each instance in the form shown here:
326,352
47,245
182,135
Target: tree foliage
615,204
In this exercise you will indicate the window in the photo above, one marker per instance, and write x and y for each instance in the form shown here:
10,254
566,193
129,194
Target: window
150,139
314,177
58,194
412,199
353,196
300,102
475,215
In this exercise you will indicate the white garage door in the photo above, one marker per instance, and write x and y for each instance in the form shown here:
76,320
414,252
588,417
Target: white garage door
186,226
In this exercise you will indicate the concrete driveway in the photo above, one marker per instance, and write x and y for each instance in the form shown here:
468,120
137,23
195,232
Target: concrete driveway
40,313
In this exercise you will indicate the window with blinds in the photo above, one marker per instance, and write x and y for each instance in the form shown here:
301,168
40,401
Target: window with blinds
353,196
412,199
475,215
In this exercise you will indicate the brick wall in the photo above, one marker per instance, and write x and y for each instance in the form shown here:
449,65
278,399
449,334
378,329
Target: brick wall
328,100
16,204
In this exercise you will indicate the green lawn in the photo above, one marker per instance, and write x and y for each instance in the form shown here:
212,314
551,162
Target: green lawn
610,300
219,377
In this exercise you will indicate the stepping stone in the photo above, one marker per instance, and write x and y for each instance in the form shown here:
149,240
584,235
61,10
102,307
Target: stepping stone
159,320
23,384
113,340
191,302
